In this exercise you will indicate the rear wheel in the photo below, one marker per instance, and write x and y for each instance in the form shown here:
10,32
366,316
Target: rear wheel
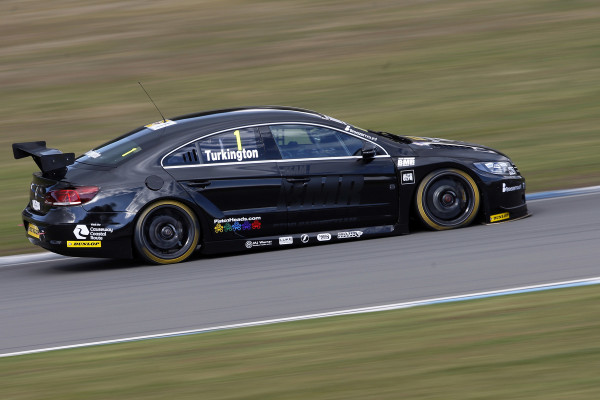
447,198
167,232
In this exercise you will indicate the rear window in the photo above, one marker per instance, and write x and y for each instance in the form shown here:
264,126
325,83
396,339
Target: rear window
124,147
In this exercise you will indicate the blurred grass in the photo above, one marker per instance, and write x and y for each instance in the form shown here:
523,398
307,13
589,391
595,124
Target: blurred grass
523,77
531,346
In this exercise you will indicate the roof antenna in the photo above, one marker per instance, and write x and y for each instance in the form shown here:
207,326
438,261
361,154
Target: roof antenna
161,114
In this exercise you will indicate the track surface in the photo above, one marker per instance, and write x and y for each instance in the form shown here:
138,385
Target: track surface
72,300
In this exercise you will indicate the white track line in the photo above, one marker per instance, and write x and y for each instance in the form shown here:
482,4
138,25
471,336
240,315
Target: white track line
386,307
20,259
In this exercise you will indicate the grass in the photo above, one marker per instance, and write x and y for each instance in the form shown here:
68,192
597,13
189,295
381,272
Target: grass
519,76
531,346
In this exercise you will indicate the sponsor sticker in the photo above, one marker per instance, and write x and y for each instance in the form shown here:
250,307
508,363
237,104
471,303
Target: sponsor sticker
406,162
237,224
408,177
359,133
304,238
257,243
160,124
133,150
349,234
94,232
81,232
93,154
33,230
98,232
231,155
84,243
506,189
35,205
286,240
323,237
499,217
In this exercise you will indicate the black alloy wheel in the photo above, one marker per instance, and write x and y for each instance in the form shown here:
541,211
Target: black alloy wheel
447,199
167,232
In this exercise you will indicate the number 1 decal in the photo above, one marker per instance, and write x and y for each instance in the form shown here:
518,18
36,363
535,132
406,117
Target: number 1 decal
239,140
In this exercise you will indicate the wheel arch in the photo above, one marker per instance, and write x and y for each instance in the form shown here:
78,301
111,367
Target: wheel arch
428,169
197,213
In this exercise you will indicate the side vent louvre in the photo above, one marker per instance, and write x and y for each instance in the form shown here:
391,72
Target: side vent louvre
190,157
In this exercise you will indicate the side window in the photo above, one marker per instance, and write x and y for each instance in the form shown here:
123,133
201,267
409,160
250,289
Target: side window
307,141
232,146
184,156
353,144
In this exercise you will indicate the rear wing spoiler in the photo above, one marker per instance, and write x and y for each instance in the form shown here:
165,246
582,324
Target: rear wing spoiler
48,160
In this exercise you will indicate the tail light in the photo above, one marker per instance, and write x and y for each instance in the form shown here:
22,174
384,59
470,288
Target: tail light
71,197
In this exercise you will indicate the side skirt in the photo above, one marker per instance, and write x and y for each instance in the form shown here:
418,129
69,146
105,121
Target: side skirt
299,240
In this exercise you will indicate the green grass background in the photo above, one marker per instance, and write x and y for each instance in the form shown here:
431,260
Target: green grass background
530,346
521,76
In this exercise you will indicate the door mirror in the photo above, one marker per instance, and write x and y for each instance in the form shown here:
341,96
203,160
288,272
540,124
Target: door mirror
368,151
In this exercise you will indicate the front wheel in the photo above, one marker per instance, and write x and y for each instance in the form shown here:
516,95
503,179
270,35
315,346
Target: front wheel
447,198
167,232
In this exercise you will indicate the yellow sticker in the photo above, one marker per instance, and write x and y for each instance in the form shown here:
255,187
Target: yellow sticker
239,140
34,231
84,243
129,152
499,217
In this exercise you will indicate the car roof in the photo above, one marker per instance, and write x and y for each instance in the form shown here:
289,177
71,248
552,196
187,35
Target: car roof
189,126
257,110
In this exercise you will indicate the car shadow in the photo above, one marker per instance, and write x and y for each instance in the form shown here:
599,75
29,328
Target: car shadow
82,265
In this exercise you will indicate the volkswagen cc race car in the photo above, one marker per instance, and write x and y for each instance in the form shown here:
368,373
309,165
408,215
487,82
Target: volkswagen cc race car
255,178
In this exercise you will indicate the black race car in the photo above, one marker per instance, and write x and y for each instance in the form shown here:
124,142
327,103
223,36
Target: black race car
249,178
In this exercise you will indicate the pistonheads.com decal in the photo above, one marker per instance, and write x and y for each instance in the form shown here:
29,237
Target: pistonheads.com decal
237,224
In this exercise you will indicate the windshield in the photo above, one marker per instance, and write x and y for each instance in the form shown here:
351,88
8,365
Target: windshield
124,147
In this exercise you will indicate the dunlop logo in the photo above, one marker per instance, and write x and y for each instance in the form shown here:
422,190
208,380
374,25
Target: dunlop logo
499,217
84,243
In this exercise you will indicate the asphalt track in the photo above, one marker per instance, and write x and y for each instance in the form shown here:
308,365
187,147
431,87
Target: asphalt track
63,301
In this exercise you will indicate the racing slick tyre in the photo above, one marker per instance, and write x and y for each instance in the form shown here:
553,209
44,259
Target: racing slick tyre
166,232
447,198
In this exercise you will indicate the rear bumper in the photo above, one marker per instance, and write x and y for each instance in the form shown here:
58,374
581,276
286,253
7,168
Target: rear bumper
72,231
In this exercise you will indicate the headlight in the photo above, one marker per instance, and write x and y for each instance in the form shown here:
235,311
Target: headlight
496,167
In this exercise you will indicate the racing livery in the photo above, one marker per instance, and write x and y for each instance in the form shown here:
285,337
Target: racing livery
260,177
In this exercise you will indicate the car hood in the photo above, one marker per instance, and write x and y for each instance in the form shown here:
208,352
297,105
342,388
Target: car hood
425,146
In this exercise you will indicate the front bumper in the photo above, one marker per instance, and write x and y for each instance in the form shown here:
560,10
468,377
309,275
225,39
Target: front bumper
505,199
72,231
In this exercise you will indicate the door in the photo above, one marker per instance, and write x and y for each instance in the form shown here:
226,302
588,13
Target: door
328,185
230,175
